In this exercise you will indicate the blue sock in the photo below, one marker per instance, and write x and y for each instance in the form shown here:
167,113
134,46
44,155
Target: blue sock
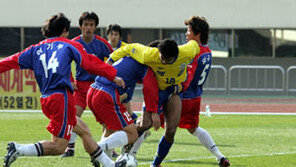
163,149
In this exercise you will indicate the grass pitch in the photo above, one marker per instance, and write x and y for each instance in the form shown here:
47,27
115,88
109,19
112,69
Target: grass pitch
247,140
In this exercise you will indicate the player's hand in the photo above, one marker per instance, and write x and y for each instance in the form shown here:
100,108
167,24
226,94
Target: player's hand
74,85
155,121
119,82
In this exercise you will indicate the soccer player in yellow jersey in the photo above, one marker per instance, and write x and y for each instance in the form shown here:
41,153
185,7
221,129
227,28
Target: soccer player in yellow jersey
170,68
169,62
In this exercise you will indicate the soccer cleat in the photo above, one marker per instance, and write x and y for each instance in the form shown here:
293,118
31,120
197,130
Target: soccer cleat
114,154
68,153
95,163
224,162
11,155
121,163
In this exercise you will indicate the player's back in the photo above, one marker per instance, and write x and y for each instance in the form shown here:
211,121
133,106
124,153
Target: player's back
203,62
129,70
166,74
51,62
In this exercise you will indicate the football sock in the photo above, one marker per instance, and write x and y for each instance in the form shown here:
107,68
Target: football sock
108,152
206,139
137,144
117,139
99,155
71,145
163,149
30,149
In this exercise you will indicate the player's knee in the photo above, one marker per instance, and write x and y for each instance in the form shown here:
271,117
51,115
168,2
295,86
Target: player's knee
132,134
59,148
191,130
79,110
133,137
81,128
170,133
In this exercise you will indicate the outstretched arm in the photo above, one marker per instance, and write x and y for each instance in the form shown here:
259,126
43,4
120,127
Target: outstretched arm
9,63
150,91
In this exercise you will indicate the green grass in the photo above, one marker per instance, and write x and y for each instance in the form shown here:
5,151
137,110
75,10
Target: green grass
248,141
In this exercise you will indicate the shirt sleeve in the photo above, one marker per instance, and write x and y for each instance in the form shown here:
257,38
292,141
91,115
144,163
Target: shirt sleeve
9,63
92,64
150,91
190,49
20,60
136,51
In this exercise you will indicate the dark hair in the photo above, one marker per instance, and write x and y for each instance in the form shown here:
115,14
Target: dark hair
168,48
114,27
199,25
89,16
154,44
55,25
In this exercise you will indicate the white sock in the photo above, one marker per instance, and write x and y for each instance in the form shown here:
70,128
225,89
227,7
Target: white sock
73,137
137,144
117,139
108,152
27,149
206,139
105,160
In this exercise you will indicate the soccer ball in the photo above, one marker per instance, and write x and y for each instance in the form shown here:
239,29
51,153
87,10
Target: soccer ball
131,161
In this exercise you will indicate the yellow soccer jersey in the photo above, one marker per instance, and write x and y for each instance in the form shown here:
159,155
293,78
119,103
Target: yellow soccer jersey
166,74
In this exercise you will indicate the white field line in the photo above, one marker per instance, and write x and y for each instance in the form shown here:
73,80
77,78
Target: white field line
185,159
232,156
139,112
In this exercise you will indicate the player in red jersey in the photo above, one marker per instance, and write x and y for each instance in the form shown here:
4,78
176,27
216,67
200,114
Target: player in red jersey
198,70
198,30
97,46
104,101
51,60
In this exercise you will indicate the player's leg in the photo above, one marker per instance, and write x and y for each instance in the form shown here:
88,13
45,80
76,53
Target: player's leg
59,109
190,121
127,135
205,139
80,104
172,113
144,123
108,110
54,147
90,145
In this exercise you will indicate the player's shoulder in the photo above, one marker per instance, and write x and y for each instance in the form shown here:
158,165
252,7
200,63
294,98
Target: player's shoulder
123,44
189,45
104,42
204,48
190,49
76,38
100,39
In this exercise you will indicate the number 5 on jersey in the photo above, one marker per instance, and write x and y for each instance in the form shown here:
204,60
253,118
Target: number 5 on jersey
52,63
204,74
